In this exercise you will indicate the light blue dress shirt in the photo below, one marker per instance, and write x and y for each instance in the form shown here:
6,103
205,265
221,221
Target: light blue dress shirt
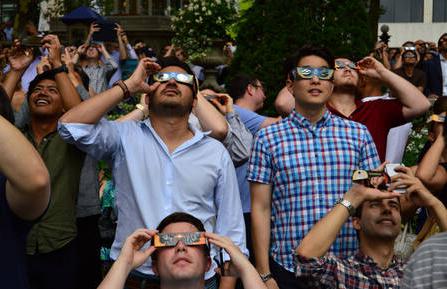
151,183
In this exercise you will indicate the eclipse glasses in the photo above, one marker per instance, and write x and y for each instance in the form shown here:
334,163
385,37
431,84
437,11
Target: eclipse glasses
162,240
307,72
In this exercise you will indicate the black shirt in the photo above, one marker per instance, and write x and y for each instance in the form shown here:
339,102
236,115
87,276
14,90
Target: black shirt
13,232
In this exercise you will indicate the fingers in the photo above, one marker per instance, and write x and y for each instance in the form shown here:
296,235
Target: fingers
381,168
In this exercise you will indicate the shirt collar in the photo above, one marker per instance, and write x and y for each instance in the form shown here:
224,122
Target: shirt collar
365,259
300,120
198,135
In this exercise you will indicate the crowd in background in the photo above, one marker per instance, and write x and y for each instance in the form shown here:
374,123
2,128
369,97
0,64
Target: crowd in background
95,195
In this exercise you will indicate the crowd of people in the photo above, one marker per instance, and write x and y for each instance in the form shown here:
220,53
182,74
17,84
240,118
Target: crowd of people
194,188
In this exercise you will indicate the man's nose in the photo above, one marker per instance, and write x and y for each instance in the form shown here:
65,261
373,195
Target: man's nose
180,246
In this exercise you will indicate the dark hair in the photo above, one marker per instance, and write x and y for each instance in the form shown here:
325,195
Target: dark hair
180,217
43,76
84,77
5,106
311,50
239,84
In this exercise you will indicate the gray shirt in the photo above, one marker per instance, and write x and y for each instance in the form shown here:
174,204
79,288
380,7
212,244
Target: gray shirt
427,268
99,74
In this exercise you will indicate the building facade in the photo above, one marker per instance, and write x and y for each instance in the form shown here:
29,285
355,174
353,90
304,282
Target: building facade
414,19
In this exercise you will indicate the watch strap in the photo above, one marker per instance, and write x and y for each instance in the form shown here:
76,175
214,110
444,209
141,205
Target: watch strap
347,204
123,86
266,276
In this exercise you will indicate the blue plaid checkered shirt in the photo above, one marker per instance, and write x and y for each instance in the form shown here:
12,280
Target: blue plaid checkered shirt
309,167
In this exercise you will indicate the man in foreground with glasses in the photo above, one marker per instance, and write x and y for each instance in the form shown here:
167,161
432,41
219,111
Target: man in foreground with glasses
381,114
376,216
180,252
160,165
300,167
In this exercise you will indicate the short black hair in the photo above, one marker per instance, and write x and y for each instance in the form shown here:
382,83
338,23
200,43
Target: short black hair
49,74
309,50
5,106
180,217
239,84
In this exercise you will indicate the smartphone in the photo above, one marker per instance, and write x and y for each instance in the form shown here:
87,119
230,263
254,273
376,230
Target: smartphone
390,170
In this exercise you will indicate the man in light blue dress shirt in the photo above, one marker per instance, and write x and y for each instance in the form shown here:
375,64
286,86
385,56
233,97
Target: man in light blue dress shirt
160,165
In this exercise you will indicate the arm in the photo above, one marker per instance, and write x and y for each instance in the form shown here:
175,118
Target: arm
109,63
70,97
19,62
320,238
131,257
239,139
413,101
269,121
91,110
137,114
210,119
429,171
93,28
420,196
230,219
121,44
19,161
239,265
261,200
284,102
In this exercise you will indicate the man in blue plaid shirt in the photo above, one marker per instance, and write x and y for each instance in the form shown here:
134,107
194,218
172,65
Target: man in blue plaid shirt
300,167
376,216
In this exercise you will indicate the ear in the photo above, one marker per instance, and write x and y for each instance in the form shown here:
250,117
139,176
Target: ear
289,85
155,267
250,89
208,263
356,223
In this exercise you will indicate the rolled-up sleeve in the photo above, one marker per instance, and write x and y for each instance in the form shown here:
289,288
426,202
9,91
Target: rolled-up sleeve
230,219
101,141
238,140
321,269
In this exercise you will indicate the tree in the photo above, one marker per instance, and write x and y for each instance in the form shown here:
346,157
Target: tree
273,30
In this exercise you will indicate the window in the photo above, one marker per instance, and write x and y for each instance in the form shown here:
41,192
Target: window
439,11
8,10
402,10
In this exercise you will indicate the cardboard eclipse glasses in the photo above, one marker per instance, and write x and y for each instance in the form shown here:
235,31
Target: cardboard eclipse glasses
163,240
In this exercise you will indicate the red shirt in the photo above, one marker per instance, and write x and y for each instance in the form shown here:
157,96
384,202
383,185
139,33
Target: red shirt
379,116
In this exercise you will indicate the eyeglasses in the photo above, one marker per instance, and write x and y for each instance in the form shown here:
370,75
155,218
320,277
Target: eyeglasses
259,86
339,65
171,239
307,72
179,77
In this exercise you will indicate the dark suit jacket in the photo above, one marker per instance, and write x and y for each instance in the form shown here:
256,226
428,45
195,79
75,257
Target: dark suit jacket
433,71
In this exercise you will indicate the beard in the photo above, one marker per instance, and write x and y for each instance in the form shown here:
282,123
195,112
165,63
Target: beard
170,108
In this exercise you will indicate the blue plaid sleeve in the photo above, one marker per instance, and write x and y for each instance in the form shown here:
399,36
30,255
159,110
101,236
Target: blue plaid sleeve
369,158
260,165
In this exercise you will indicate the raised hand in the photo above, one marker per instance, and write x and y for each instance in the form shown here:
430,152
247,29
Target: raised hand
52,44
137,81
371,67
132,253
20,58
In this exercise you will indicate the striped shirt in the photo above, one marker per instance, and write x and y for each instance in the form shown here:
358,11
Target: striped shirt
309,167
427,267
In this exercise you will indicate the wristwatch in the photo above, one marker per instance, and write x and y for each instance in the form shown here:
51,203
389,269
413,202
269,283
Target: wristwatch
60,69
266,276
347,204
139,106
